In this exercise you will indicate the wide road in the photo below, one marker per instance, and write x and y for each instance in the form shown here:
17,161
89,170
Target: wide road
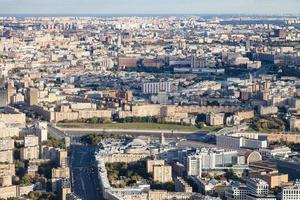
84,176
55,132
84,131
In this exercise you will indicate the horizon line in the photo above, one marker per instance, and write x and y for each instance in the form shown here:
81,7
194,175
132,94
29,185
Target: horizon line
146,14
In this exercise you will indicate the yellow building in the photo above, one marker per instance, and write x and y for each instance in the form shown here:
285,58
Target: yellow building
273,178
61,172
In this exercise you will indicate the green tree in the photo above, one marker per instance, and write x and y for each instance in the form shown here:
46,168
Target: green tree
25,180
33,195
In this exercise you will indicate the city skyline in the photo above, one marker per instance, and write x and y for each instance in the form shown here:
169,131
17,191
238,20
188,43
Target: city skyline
127,7
149,106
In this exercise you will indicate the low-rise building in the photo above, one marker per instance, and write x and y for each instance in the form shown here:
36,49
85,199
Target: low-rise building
275,151
267,110
241,140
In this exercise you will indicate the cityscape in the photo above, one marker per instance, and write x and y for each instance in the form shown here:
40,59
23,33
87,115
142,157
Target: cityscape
153,106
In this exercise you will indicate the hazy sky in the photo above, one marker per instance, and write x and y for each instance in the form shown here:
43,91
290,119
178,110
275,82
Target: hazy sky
149,6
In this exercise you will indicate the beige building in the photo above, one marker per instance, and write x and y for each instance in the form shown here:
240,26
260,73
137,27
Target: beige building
294,124
32,96
30,153
162,173
5,181
165,195
61,172
14,191
215,119
151,163
70,115
9,115
7,144
172,111
62,158
7,169
273,178
242,115
31,141
126,158
11,90
69,112
17,98
6,150
267,110
141,111
8,191
31,149
291,138
9,131
6,156
65,189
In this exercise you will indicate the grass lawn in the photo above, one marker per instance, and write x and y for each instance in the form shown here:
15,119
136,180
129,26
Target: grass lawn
140,126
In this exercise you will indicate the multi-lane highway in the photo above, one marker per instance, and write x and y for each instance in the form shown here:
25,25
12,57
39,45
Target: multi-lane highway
55,132
85,183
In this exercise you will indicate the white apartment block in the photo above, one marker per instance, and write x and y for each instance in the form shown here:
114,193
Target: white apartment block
241,140
235,191
156,87
194,166
212,159
291,192
277,151
258,187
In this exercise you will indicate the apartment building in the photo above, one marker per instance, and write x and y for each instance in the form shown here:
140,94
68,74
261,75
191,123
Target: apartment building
182,186
162,173
291,192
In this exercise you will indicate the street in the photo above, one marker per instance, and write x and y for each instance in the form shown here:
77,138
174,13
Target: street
136,132
56,133
84,176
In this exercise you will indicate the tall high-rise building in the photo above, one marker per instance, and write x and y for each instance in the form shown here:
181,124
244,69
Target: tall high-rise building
3,98
151,163
162,173
194,166
32,96
42,131
31,148
6,150
11,91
